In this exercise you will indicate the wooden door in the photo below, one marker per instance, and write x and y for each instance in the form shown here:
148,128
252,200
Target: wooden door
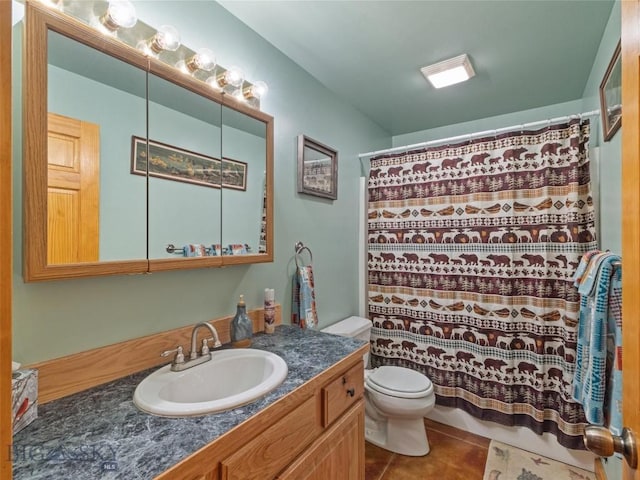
631,219
73,190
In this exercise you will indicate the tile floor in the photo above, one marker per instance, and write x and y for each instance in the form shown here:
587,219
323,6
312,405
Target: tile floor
455,455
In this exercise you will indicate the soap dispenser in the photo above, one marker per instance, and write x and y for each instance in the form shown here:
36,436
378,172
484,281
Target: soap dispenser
241,326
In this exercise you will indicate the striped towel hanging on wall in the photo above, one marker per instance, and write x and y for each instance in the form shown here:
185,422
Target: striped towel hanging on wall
303,305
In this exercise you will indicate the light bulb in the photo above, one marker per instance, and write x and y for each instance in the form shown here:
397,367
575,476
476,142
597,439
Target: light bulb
232,76
119,14
166,38
257,90
204,59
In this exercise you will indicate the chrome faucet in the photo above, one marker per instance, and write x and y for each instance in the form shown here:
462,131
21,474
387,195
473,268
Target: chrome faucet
179,363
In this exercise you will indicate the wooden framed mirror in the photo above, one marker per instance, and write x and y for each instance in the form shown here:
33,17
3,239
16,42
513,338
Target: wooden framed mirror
98,106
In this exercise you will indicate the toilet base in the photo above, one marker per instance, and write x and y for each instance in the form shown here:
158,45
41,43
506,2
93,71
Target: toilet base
399,435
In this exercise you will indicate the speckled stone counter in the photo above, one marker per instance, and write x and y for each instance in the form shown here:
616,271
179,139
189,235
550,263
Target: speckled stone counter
100,434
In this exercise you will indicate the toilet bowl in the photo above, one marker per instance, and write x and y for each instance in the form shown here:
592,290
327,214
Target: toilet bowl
396,399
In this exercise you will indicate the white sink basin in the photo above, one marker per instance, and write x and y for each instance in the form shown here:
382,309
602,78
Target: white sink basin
231,378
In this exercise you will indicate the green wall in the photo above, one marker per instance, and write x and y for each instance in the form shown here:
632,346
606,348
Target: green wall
56,318
610,168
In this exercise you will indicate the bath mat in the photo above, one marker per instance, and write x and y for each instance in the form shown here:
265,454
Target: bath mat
505,462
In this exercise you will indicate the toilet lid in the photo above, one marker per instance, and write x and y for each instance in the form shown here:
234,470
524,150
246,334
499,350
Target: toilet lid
399,382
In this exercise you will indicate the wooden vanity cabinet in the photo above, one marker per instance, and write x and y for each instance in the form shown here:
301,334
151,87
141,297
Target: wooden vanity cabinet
314,432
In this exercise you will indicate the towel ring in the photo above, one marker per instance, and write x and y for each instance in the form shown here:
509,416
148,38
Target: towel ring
299,248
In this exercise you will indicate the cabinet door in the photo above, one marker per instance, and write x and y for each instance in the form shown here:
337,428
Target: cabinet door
272,450
339,453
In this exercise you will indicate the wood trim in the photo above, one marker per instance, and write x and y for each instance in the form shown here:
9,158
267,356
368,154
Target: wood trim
6,239
270,183
631,217
235,104
73,373
180,263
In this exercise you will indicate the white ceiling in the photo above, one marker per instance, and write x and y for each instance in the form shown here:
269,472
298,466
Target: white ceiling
526,53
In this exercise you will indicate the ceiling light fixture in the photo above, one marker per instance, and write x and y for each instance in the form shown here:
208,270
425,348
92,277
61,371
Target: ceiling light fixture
449,72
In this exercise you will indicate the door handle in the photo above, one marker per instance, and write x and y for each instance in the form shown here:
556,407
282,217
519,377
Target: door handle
603,443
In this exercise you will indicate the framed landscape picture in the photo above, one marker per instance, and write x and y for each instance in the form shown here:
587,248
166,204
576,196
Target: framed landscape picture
174,163
317,168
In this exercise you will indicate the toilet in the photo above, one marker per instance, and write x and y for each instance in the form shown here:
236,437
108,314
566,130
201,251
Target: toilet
396,398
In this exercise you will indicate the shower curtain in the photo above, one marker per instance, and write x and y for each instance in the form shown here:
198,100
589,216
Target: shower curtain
471,252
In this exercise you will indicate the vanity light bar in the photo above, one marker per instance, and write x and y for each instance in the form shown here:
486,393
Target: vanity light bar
120,21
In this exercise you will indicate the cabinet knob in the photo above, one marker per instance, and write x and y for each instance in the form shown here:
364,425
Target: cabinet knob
602,442
351,392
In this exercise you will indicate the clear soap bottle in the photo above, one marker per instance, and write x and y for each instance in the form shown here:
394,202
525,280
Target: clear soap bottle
241,326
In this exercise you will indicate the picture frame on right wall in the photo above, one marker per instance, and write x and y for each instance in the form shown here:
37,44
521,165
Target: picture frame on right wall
317,168
611,96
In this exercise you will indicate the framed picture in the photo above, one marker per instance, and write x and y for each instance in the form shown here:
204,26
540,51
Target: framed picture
234,174
611,96
173,163
317,168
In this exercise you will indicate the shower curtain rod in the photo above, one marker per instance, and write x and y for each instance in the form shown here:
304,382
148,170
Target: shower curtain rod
479,134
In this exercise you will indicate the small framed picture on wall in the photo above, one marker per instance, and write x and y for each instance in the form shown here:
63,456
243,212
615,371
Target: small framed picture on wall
317,168
611,96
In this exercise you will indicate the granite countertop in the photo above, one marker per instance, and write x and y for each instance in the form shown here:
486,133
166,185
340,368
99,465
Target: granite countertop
100,434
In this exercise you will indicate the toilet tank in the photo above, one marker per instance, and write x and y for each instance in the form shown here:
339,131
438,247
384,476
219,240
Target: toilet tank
355,327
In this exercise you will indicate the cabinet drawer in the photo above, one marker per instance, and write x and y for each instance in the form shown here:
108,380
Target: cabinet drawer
341,393
267,454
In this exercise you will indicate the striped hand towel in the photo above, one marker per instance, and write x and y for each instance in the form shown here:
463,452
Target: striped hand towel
303,304
590,379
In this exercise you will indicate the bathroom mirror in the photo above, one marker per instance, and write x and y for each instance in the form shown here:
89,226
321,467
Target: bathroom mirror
194,185
185,171
243,193
96,211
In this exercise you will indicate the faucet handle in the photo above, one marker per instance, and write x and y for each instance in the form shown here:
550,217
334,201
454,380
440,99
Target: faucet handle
179,358
205,344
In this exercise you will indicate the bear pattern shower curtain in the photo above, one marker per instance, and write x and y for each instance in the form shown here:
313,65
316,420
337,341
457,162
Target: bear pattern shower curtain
471,252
